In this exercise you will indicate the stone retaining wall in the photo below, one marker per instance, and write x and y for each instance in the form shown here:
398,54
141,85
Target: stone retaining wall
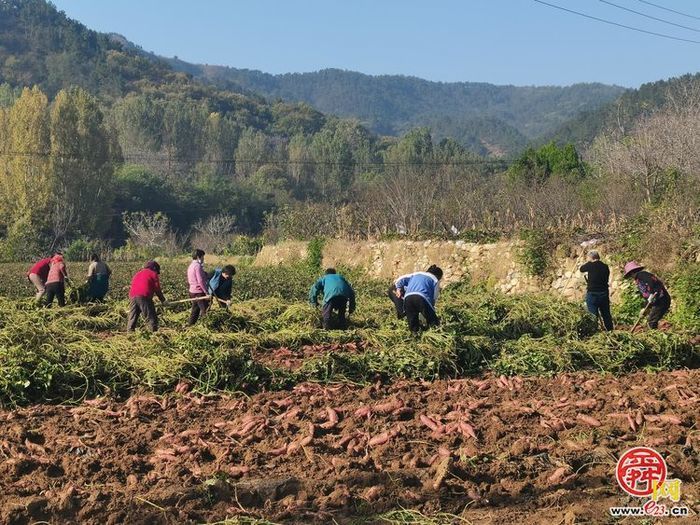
496,263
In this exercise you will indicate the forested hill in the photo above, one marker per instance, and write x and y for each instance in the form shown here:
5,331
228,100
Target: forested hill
626,110
392,104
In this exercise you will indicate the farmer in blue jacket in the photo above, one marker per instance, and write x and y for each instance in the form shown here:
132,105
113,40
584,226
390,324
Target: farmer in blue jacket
337,293
416,294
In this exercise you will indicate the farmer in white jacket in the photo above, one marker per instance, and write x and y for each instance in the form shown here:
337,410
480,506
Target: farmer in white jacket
416,294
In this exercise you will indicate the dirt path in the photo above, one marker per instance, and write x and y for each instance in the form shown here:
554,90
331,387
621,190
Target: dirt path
491,450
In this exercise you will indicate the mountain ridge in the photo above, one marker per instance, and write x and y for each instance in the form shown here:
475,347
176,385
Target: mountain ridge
488,119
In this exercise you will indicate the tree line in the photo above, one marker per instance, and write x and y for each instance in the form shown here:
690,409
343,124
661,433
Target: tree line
74,168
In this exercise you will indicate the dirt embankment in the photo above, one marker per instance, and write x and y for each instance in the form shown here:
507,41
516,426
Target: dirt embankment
493,450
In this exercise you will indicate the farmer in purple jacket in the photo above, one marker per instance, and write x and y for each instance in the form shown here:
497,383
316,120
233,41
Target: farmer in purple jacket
197,279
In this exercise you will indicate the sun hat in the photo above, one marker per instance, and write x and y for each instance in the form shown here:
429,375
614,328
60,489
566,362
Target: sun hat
631,267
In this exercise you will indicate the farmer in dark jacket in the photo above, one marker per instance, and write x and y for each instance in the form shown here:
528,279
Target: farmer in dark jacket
652,289
597,293
98,278
337,296
144,285
221,286
417,293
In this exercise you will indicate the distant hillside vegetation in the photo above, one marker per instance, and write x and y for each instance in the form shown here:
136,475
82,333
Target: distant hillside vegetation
484,117
624,111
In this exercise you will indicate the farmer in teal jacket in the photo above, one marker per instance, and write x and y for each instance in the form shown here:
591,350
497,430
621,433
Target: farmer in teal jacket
337,293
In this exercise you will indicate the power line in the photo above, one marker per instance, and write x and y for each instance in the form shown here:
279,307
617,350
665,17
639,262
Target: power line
610,22
669,10
649,16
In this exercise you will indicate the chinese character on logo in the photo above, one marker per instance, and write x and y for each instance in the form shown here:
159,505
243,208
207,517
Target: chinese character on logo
640,471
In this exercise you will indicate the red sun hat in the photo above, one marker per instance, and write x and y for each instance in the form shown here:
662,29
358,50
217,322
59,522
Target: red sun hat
631,267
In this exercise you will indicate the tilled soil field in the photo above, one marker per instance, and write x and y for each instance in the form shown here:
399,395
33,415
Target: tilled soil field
489,450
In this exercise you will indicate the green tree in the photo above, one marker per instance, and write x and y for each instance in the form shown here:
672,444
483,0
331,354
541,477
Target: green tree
414,149
254,150
81,167
535,166
26,186
139,122
292,119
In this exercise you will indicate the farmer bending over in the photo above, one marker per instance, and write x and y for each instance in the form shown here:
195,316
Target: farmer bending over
144,285
337,293
597,294
197,279
56,281
419,292
98,278
221,283
38,274
652,289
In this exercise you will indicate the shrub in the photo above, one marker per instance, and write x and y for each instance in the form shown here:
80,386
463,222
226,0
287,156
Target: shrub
244,245
685,294
314,256
534,254
627,310
81,249
214,234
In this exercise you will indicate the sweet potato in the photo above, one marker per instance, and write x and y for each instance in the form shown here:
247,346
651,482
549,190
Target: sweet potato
388,407
670,418
278,451
344,440
380,439
428,422
557,424
619,415
237,470
245,430
467,429
183,387
589,420
332,417
479,403
34,448
586,403
283,403
363,411
558,475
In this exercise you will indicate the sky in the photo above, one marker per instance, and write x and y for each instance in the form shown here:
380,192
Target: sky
519,42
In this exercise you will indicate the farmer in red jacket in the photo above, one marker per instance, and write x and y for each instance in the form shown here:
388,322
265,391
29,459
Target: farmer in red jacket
144,285
38,274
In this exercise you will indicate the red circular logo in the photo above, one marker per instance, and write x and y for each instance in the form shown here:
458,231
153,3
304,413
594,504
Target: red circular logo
638,468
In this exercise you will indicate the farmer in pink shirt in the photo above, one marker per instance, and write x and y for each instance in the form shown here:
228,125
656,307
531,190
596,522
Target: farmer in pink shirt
55,281
197,279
